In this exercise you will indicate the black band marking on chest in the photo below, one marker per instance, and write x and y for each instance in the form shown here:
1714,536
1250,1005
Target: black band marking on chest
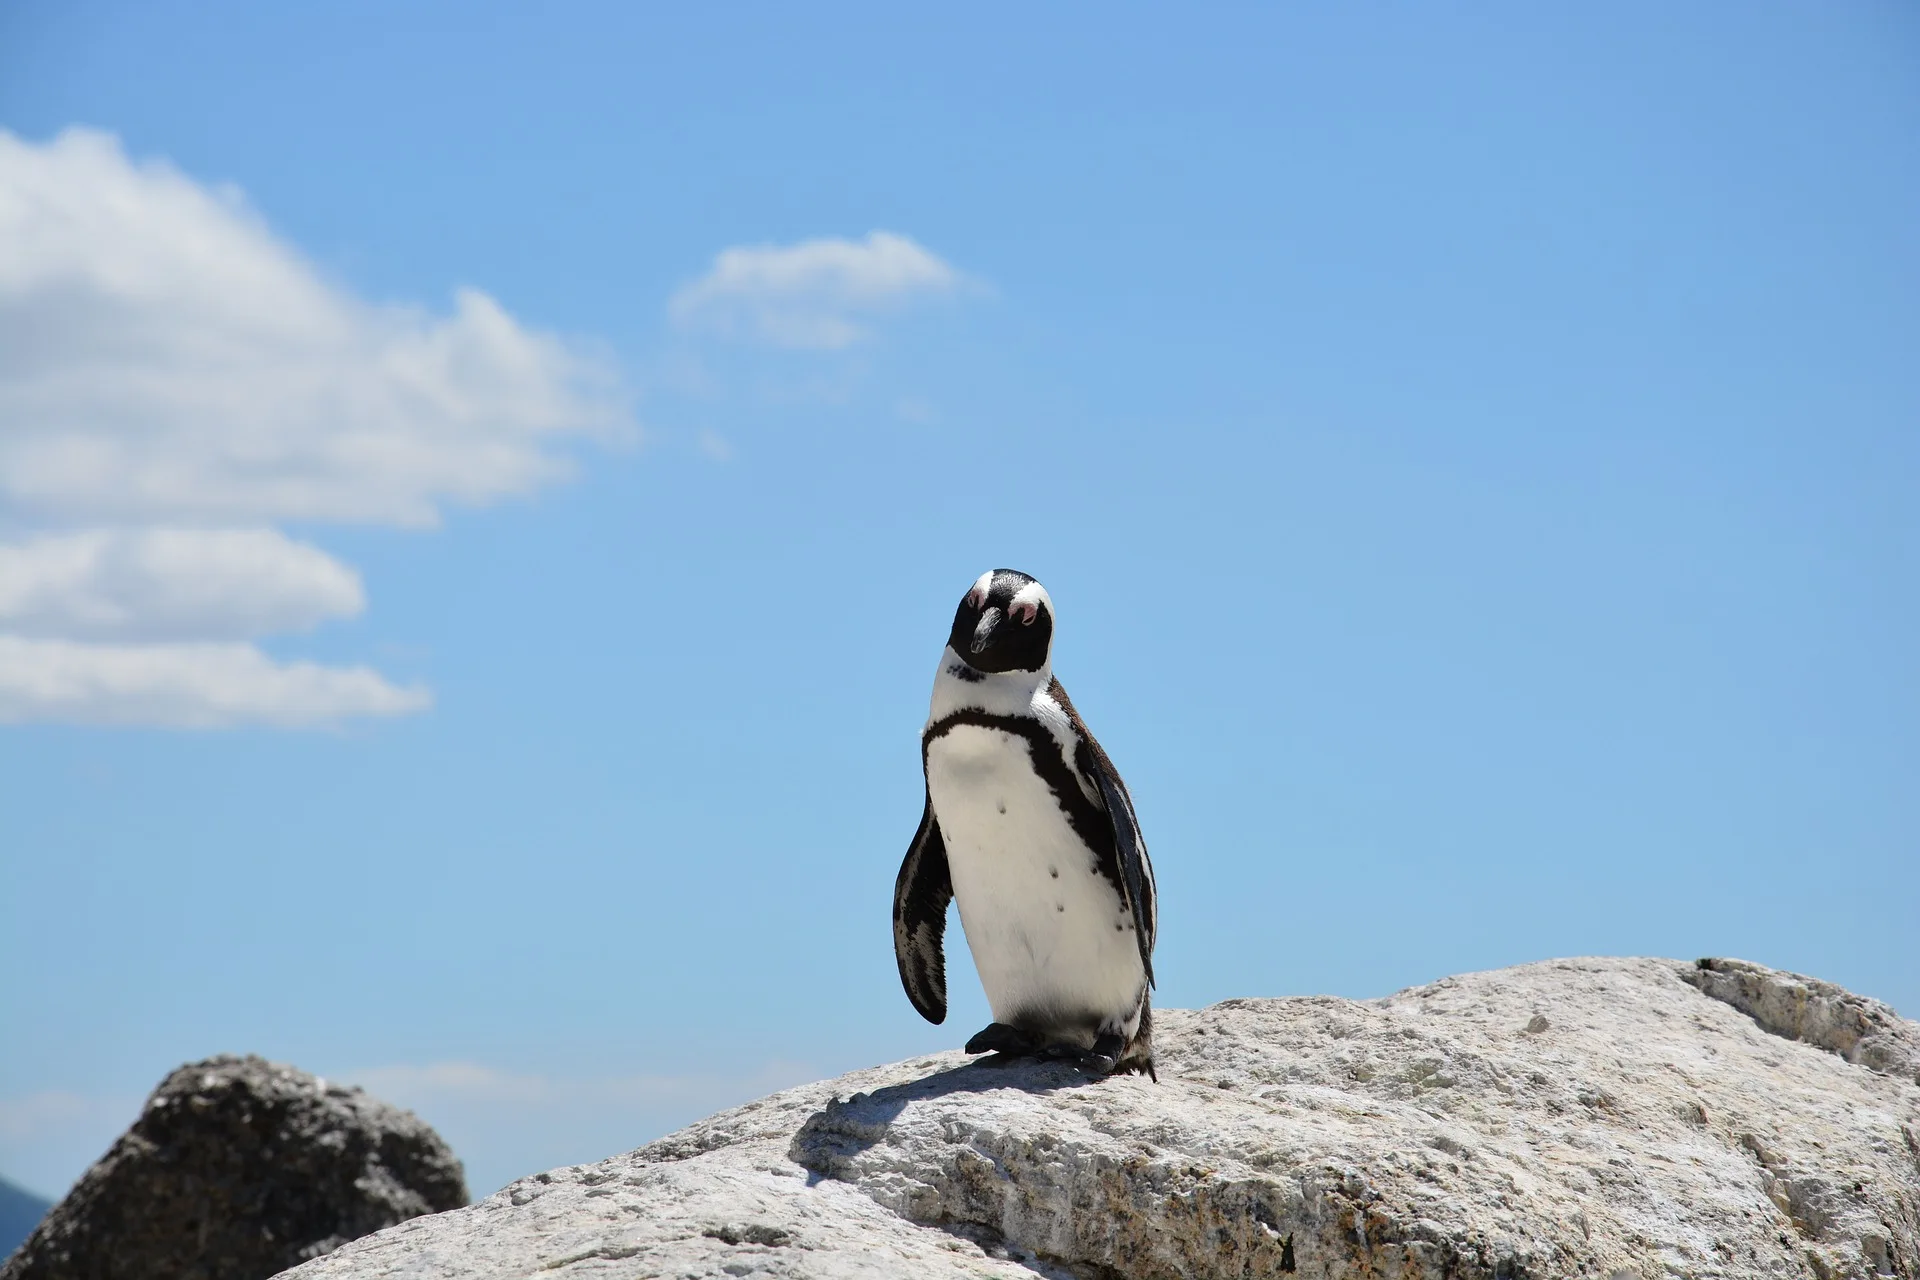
1088,820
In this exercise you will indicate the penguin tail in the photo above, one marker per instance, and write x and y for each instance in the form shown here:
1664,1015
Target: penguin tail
1139,1055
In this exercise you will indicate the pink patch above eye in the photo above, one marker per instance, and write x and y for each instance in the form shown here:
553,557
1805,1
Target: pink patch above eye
1026,613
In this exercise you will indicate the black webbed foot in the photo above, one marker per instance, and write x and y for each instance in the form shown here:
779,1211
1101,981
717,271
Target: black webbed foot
1100,1059
998,1037
1105,1054
1011,1043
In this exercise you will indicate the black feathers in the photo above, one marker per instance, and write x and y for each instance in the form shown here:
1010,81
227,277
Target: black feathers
992,633
1135,871
920,897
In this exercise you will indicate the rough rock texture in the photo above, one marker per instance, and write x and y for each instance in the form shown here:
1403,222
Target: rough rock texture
1802,1008
236,1169
1590,1118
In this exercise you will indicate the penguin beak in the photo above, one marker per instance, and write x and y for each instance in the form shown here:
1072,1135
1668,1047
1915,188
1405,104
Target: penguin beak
983,633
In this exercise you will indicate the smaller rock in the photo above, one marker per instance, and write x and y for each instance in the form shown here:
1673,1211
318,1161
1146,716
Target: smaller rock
237,1169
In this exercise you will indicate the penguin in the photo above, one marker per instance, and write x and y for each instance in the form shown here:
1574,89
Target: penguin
1029,826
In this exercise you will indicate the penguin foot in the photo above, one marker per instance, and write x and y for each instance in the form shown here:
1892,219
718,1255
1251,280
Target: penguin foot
1101,1059
1105,1054
998,1037
1012,1042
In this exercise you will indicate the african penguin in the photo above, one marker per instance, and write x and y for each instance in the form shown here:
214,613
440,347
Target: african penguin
1028,824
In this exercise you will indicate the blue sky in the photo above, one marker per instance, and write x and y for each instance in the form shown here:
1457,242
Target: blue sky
482,491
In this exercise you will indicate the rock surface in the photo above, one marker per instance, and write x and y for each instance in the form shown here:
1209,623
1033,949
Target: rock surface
1590,1118
1801,1008
236,1169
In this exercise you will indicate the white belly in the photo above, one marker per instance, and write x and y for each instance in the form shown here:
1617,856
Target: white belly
1053,943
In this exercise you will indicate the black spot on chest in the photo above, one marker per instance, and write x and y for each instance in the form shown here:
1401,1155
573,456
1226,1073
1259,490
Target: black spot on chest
961,671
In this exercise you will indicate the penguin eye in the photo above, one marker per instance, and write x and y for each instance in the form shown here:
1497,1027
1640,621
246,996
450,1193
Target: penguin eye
1026,612
976,598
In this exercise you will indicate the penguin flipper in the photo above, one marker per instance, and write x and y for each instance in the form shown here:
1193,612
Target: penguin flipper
920,898
1130,849
1135,878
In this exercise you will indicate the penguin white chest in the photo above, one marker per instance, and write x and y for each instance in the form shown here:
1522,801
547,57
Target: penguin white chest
1052,940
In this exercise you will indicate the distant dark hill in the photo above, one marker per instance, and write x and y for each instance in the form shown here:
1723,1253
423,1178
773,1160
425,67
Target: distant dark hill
19,1214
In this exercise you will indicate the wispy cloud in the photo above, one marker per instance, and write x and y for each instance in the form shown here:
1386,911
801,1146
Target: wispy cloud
186,686
41,1113
442,1082
818,294
48,1139
175,380
502,1124
506,1125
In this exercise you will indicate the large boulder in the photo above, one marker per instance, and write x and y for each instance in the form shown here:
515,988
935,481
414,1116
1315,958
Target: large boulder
1575,1118
236,1169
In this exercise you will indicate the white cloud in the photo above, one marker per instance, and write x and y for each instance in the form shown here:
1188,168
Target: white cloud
185,686
164,357
171,584
174,379
506,1125
812,294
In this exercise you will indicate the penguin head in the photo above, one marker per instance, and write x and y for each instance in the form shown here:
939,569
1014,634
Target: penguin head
1004,623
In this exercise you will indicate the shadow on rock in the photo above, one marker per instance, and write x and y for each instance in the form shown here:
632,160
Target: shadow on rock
840,1131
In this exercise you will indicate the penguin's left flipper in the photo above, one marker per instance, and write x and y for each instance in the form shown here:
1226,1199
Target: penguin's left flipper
920,898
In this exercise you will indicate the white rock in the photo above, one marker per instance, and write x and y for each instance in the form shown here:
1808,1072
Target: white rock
1590,1118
